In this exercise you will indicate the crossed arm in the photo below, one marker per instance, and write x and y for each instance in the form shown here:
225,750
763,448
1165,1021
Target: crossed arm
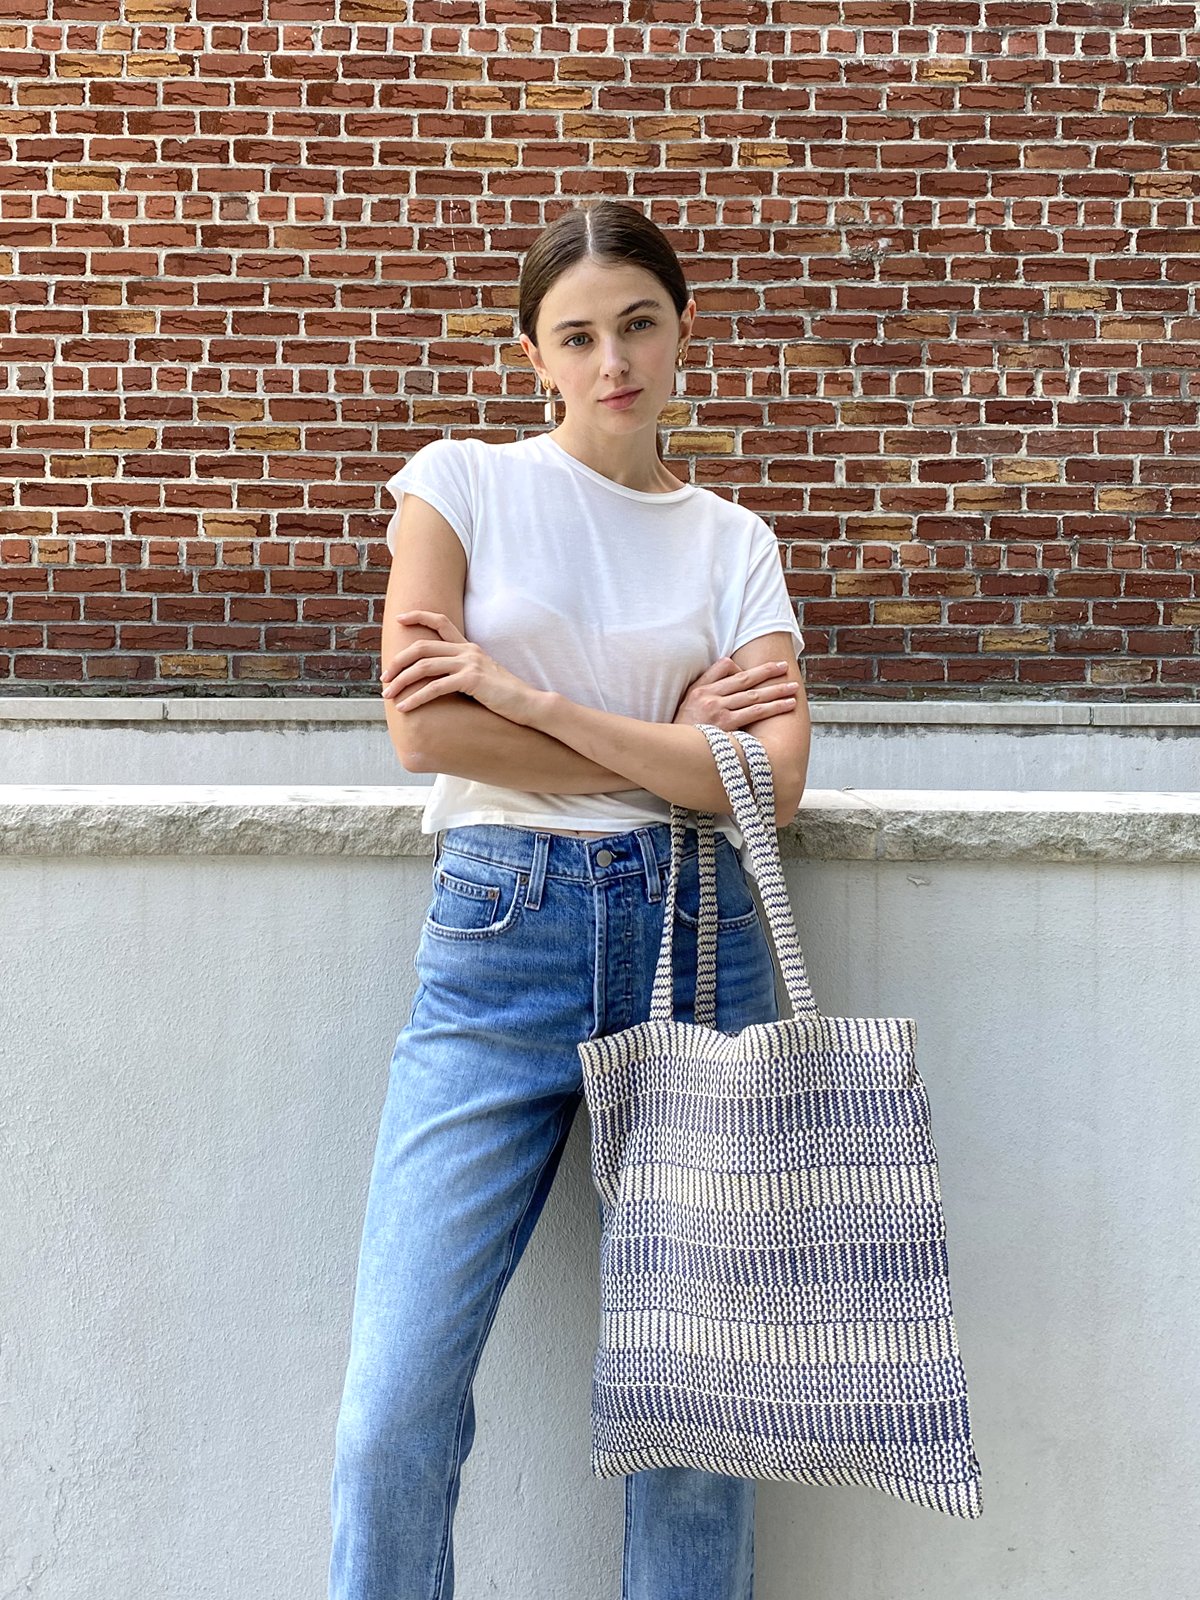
568,748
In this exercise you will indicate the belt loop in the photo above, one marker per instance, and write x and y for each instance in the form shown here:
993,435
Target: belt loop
650,862
537,871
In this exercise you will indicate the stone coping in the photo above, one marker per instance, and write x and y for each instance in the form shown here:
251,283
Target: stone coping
385,820
241,710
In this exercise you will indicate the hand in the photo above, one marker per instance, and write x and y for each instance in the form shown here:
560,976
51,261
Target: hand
728,697
451,664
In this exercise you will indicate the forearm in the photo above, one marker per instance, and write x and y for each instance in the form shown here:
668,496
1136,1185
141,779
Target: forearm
456,734
671,760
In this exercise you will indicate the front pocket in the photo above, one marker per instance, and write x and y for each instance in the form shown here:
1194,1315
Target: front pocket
736,906
473,899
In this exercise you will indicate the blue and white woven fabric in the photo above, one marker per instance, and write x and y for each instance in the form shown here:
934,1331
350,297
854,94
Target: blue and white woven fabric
775,1299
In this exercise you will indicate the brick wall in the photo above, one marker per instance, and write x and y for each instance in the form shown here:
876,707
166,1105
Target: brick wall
945,257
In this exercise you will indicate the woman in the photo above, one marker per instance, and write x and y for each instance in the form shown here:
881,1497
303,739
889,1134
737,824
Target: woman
562,611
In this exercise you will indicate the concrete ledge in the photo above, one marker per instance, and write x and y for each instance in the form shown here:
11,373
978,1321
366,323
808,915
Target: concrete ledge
965,714
385,820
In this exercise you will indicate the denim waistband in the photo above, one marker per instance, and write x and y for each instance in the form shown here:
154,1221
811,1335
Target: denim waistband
543,855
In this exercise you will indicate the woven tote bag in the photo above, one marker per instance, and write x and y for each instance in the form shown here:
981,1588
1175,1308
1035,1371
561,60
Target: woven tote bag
774,1290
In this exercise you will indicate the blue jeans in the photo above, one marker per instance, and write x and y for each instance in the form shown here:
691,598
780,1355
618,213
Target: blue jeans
533,941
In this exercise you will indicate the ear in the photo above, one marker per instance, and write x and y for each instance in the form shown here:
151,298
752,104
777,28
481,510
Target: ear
531,350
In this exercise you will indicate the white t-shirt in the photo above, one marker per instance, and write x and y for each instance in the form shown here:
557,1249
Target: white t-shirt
611,596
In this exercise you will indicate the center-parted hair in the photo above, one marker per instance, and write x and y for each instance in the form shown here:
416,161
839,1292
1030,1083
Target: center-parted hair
611,232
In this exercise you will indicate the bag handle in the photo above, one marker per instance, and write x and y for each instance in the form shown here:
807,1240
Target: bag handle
754,814
705,1005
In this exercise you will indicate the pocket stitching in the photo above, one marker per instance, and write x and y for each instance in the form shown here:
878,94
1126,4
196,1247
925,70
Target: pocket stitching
442,930
742,920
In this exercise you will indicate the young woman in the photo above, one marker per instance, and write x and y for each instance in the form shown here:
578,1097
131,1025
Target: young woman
562,612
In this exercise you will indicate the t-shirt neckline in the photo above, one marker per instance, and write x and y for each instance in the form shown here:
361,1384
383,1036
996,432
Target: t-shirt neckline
598,477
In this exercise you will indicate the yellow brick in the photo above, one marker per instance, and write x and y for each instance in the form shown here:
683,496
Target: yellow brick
481,97
907,612
166,65
862,584
52,552
971,497
477,324
944,69
1122,671
257,666
1165,185
123,321
1132,328
199,666
266,439
228,525
702,442
371,11
1080,299
83,466
816,355
1185,616
670,127
484,153
157,11
763,153
1127,499
85,178
556,97
118,438
1143,101
879,528
1021,640
1023,469
675,414
75,64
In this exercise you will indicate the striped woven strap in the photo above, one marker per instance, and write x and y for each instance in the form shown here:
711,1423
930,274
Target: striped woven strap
755,816
705,1006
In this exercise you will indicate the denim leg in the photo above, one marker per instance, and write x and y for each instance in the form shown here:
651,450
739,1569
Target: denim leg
689,1535
484,1085
471,1134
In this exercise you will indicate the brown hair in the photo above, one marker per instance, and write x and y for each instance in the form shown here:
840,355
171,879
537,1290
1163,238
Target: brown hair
612,232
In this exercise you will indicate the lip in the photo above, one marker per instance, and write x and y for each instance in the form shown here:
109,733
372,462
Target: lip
622,398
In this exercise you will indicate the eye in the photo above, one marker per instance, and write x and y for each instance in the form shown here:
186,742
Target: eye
567,343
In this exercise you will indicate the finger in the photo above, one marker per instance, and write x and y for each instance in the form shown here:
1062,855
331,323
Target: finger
427,691
419,650
752,713
764,696
765,669
412,675
427,617
437,620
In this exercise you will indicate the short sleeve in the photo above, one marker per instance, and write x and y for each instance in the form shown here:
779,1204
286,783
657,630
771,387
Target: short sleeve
440,473
766,604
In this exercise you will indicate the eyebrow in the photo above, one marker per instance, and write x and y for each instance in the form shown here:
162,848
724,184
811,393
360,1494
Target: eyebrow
636,306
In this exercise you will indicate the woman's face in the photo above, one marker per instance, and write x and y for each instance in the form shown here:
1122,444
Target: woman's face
615,343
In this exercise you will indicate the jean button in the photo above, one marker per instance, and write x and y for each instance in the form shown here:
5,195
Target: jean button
604,857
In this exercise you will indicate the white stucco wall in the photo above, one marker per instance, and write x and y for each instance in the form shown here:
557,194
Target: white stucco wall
201,994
